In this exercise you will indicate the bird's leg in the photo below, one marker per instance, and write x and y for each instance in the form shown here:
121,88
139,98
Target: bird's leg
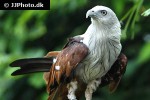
72,87
91,87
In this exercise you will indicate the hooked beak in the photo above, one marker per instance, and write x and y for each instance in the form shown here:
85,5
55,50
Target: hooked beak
90,13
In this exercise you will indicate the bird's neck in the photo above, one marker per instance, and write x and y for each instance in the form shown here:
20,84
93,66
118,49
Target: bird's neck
98,32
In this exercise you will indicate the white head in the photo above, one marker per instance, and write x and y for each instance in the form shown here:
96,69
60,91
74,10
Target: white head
103,16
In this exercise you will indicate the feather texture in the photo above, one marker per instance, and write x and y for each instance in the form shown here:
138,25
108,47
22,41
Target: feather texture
32,65
67,60
88,59
112,79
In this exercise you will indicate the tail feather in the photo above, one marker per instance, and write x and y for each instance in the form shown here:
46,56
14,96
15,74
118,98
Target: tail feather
31,70
32,65
22,62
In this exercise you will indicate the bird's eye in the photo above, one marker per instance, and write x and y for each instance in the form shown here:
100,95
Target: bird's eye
103,12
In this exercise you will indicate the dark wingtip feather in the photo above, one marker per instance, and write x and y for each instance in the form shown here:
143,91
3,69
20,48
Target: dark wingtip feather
32,65
22,62
30,70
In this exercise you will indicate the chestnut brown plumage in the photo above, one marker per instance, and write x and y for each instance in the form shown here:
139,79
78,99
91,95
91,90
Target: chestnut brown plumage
88,58
112,79
57,80
67,60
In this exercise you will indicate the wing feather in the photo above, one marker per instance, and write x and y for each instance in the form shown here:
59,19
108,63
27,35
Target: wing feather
68,59
114,75
32,65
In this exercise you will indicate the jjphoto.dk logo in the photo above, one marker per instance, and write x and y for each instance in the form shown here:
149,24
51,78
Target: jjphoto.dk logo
6,5
40,4
25,5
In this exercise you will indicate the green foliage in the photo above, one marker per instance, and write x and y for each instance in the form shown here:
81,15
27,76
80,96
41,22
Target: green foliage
31,33
146,13
131,16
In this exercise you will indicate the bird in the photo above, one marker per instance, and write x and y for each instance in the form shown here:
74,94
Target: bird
86,62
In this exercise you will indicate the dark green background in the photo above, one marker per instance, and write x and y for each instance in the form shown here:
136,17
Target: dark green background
31,33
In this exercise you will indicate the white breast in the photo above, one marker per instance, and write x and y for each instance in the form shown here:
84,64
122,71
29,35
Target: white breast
103,52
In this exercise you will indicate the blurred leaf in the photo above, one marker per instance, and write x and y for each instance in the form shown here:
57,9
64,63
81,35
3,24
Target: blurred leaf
130,14
3,44
25,16
20,31
38,52
1,12
144,54
142,57
37,31
7,25
131,17
67,5
119,6
132,66
42,14
36,80
139,4
146,13
44,96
